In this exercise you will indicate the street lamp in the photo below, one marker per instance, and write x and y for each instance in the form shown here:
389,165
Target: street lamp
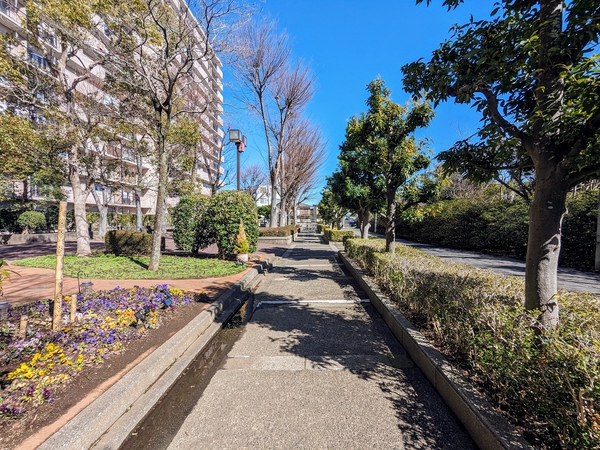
239,139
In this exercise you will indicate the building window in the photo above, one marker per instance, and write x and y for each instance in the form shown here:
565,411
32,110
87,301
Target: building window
38,60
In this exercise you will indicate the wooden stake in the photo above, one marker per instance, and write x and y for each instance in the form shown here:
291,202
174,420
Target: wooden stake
60,260
23,327
73,308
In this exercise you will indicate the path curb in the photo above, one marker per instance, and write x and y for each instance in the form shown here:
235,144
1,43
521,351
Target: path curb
487,427
110,419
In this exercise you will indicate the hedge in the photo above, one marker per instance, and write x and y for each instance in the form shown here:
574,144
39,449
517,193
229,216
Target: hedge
545,384
130,243
338,235
279,231
501,227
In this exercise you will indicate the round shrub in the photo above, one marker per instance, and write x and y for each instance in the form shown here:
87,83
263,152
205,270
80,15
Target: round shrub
190,233
223,217
31,220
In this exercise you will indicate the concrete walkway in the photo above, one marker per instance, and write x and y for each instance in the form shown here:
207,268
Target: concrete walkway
316,368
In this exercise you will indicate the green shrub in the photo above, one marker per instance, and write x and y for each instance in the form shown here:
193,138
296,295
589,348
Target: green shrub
51,215
338,235
92,217
9,216
189,231
225,211
130,243
579,231
545,384
501,227
320,228
284,231
32,221
200,221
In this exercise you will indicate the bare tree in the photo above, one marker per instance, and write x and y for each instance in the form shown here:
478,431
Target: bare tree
251,179
278,90
304,155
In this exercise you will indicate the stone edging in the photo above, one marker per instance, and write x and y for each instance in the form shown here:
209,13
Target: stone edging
487,427
109,420
283,240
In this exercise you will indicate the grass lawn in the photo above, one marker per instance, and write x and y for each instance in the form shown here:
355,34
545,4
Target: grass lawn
136,267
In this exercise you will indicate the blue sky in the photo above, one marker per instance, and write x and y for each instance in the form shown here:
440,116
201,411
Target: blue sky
347,44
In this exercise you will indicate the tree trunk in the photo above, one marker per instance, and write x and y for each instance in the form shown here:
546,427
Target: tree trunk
139,217
138,195
295,212
102,204
390,228
364,224
282,212
543,246
163,175
81,224
25,190
273,222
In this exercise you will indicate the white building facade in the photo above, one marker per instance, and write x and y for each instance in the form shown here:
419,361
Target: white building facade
120,192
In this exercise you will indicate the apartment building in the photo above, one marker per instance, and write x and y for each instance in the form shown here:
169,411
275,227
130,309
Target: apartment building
119,192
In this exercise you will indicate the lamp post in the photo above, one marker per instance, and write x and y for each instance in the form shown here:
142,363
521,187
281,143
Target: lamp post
239,139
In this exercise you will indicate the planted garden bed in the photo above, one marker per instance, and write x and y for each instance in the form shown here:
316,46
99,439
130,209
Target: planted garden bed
32,367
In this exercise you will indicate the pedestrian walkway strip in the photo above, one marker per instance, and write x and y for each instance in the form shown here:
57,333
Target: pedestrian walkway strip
303,302
310,277
333,362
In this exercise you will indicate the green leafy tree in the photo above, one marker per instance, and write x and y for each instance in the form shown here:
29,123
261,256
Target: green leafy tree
330,210
532,72
384,134
356,185
154,49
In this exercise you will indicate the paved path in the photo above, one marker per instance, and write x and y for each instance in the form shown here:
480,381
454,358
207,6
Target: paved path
569,279
316,368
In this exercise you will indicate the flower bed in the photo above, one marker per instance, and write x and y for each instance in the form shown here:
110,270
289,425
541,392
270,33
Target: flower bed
105,321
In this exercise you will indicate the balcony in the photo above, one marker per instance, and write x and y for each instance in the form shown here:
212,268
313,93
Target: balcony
9,10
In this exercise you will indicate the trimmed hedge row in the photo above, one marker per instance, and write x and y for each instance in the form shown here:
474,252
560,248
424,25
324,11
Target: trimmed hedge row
338,235
130,243
501,227
546,384
279,231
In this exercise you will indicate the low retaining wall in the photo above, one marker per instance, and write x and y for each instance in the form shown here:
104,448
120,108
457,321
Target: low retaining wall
35,238
281,240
